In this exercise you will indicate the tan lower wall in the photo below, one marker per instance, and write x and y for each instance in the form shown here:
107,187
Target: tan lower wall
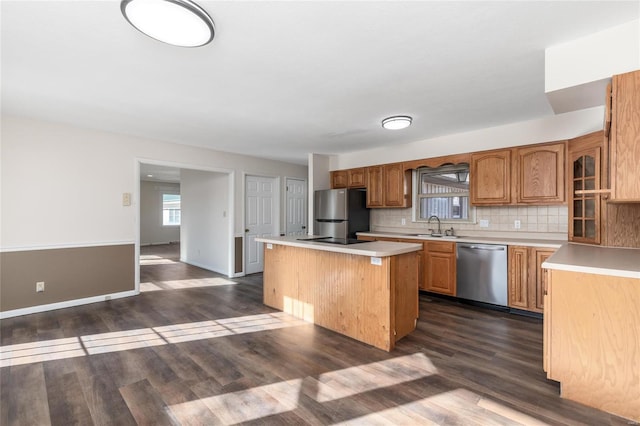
68,273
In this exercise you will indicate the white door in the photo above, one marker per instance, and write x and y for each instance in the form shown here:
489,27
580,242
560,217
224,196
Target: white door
261,218
296,207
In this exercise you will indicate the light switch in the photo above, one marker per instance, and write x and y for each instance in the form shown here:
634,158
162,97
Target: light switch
376,261
126,198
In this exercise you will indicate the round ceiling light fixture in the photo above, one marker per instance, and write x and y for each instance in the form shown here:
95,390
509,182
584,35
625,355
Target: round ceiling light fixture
177,22
397,122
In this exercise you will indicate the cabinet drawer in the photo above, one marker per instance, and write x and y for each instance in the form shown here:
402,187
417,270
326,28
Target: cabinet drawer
441,246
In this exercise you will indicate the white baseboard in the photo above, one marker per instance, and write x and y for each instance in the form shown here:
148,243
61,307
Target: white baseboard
65,304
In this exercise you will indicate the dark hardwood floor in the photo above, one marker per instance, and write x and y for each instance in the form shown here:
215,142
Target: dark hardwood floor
200,349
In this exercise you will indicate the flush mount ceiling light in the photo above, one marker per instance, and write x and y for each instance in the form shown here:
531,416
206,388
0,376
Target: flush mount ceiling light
397,122
177,22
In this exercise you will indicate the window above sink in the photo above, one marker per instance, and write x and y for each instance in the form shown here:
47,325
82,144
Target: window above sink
443,192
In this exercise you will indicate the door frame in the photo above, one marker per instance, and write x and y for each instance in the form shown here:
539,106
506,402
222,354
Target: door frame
306,202
136,200
276,213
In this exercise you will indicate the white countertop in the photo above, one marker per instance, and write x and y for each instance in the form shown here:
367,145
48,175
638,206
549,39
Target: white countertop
618,262
373,248
469,239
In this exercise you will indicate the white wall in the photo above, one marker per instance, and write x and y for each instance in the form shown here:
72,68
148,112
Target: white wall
594,57
318,179
205,220
63,185
577,72
555,127
151,229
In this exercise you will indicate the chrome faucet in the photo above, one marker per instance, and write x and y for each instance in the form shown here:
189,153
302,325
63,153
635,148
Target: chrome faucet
438,219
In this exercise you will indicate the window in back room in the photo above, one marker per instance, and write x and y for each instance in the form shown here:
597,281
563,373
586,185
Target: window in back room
170,209
443,192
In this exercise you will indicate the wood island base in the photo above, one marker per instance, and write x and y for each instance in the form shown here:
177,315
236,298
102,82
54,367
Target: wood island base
368,298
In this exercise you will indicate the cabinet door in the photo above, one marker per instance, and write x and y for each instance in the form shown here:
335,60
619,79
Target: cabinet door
356,178
441,273
536,292
374,187
393,176
518,277
625,138
539,174
584,209
339,179
490,178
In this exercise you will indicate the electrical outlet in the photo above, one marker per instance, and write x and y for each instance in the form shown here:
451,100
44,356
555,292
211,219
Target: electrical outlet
39,286
484,223
516,224
126,199
403,221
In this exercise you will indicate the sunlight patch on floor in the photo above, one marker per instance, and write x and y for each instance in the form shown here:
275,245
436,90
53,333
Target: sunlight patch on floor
121,341
249,404
363,378
149,287
182,284
280,397
47,350
452,407
158,261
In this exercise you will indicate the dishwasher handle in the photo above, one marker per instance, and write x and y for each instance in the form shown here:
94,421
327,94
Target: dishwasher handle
482,247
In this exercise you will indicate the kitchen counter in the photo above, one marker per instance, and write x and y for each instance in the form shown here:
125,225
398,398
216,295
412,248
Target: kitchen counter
373,248
471,239
591,334
611,261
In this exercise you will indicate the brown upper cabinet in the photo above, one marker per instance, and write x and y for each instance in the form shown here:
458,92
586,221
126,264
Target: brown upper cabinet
539,174
585,170
351,178
533,174
490,177
338,179
624,138
388,185
356,178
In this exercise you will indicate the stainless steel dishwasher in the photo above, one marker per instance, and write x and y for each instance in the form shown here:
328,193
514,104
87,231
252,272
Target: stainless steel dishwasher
481,271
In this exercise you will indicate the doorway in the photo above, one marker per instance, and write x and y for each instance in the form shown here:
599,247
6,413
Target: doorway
262,201
206,214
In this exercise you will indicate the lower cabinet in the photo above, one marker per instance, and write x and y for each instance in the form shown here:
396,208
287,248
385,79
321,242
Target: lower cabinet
526,277
439,267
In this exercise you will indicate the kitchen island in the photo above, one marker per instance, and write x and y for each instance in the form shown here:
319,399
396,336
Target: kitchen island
367,291
591,326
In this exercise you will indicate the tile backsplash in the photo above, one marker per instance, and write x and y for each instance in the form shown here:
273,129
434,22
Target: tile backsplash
545,221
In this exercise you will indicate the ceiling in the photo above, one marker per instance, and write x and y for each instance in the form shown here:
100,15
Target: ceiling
282,79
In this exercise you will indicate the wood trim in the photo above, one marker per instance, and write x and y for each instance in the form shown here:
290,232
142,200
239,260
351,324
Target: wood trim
437,161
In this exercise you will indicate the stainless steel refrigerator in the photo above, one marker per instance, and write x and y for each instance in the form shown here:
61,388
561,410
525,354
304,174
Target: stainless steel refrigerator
339,214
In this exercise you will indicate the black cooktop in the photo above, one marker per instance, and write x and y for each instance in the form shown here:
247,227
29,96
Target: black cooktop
331,240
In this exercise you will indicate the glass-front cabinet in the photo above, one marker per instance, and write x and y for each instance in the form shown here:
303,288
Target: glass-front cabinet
584,205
